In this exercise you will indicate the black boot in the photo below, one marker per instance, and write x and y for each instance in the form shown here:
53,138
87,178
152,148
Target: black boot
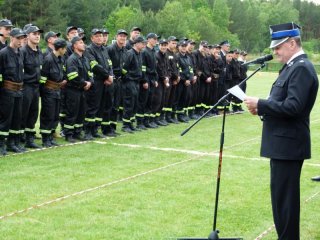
126,128
147,124
94,132
17,141
140,124
108,131
174,118
52,141
69,138
114,129
30,141
168,117
152,122
3,150
46,141
159,122
11,146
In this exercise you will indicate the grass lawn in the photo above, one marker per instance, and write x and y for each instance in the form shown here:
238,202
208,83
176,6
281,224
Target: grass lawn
153,184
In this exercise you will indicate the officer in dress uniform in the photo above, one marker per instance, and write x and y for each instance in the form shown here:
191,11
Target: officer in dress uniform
286,132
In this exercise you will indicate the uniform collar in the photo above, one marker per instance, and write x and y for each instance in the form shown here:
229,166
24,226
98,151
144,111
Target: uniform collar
301,52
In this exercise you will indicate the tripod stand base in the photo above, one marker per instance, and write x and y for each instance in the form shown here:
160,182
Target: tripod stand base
213,236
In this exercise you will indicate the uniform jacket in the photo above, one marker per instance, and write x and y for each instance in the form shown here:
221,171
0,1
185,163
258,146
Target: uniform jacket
149,65
162,65
132,67
32,61
173,65
53,70
185,67
100,62
117,56
78,71
285,114
201,65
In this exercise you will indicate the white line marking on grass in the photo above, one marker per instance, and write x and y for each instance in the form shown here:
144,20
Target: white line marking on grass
95,188
271,228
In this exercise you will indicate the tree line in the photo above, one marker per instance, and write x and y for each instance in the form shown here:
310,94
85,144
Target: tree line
243,22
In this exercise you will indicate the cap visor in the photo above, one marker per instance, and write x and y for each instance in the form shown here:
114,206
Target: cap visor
277,42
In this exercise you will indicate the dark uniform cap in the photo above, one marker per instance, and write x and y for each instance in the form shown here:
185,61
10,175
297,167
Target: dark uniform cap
243,53
96,31
139,39
122,31
152,35
216,46
76,39
225,42
282,32
236,50
17,32
163,41
135,29
230,52
51,34
60,43
204,43
173,38
71,28
25,28
33,29
191,42
183,43
5,23
105,31
80,30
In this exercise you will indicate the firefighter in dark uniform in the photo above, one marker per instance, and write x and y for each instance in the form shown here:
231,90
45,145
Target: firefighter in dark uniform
50,38
79,80
169,106
105,33
225,47
32,61
186,76
100,96
216,66
132,70
5,28
117,53
236,78
11,78
134,33
163,80
53,77
146,113
194,83
243,73
203,72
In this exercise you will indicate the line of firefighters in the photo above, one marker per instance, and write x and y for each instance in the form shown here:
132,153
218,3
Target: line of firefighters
145,82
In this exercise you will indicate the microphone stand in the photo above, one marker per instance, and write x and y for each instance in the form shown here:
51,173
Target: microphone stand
214,234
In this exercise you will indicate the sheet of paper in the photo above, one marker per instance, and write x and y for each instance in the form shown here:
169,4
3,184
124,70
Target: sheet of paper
237,91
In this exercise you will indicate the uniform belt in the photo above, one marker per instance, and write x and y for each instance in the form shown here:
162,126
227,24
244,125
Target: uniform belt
13,86
52,85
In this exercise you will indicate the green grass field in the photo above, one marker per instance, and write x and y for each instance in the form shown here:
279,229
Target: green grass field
153,184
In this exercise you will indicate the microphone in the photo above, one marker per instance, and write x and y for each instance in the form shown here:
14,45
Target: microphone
260,60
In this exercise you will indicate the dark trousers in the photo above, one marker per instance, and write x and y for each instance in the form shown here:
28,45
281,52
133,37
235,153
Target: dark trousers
213,95
142,101
10,112
285,197
94,100
130,93
75,110
49,114
195,97
184,94
116,100
158,99
107,105
30,107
